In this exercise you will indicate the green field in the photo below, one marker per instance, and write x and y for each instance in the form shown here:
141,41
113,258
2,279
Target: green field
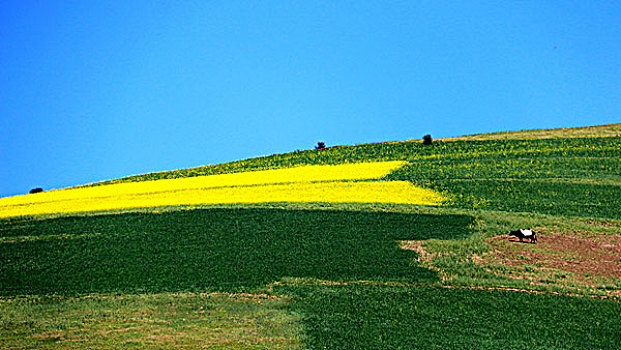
354,317
341,276
233,250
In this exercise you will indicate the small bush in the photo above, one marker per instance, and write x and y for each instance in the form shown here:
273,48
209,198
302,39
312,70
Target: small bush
427,139
320,145
36,190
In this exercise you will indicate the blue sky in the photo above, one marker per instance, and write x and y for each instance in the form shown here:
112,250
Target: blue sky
94,90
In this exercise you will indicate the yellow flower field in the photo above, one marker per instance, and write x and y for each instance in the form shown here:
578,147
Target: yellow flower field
316,183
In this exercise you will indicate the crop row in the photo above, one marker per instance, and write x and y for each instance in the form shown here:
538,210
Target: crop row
546,197
313,183
510,168
395,192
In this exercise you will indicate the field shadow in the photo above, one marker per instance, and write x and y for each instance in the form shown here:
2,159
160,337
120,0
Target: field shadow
215,249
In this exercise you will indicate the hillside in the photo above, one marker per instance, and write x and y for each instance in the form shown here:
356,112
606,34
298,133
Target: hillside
385,151
559,176
386,245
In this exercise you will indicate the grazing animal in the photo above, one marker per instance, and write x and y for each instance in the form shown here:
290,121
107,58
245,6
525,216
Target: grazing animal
522,234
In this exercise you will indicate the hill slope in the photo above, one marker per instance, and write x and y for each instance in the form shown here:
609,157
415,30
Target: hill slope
320,274
559,176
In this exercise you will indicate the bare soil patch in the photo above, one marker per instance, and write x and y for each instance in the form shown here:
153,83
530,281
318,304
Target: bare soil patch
417,246
424,258
582,258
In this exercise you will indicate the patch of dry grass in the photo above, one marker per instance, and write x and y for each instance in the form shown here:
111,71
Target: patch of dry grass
608,130
157,321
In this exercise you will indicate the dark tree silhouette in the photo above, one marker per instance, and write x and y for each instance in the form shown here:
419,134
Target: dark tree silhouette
320,145
427,139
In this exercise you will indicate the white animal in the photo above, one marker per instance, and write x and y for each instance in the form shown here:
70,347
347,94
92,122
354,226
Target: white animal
521,234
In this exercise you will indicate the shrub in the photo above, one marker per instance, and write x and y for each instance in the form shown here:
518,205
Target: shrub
320,145
36,190
427,139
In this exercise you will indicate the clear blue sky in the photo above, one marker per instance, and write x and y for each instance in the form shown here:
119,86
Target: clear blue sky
94,90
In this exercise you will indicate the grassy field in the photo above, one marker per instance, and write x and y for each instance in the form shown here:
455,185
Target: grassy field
234,250
193,320
371,317
340,275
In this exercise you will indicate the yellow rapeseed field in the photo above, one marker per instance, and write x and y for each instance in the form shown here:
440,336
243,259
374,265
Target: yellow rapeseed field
315,183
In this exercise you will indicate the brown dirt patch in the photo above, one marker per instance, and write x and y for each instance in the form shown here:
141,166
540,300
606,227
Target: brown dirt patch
589,258
605,223
162,337
50,336
424,258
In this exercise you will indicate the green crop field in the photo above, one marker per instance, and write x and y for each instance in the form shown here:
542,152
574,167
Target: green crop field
371,317
341,276
233,250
